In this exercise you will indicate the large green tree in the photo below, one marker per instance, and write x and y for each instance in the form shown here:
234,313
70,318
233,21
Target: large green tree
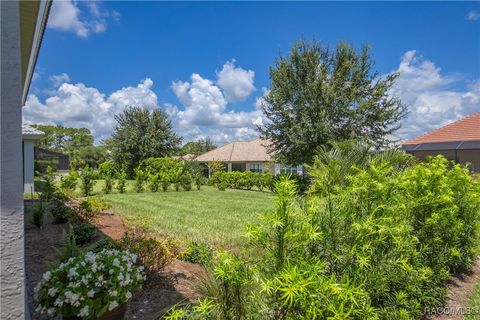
140,134
319,94
64,139
198,147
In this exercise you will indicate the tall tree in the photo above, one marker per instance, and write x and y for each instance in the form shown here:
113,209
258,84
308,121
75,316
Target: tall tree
140,134
64,139
318,95
198,147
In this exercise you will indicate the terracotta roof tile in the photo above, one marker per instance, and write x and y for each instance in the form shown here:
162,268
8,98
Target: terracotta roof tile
465,129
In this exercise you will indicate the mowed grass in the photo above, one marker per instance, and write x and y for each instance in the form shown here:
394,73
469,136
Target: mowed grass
209,215
474,304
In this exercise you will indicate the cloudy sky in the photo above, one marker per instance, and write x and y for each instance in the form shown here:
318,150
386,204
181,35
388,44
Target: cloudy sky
206,64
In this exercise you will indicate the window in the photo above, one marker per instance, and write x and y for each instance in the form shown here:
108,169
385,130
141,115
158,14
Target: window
288,169
256,167
239,167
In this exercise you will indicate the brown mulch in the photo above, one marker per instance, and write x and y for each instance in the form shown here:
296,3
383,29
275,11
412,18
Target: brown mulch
160,291
459,290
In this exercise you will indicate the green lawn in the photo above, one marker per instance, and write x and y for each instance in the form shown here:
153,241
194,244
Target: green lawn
474,304
217,217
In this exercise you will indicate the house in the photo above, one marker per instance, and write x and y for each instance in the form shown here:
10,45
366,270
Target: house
22,24
186,157
458,141
29,136
58,161
248,156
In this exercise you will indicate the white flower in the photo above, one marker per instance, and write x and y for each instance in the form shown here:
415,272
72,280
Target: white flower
72,273
116,262
50,311
91,293
58,302
110,271
47,275
83,312
120,277
52,292
113,293
112,305
128,295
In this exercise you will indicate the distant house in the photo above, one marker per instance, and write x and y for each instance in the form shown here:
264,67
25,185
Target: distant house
29,136
248,156
458,141
186,157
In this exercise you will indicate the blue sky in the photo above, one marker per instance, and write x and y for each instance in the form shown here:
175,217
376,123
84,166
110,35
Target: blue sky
207,63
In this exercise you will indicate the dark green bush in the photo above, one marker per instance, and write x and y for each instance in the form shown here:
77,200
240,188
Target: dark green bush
186,181
61,213
104,243
140,178
198,252
84,232
38,214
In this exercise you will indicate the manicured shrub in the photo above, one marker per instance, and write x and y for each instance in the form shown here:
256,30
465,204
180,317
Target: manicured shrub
108,169
198,252
186,181
48,185
199,180
153,182
165,182
108,186
84,232
121,182
88,209
140,178
87,177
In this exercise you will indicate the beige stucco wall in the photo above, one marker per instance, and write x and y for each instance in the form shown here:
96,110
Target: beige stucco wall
11,187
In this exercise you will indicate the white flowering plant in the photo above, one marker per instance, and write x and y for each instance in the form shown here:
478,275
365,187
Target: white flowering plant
89,285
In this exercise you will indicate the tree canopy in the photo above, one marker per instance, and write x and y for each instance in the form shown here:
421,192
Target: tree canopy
318,94
198,147
63,139
140,134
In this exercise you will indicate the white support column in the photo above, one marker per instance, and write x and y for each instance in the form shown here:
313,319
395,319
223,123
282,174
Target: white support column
12,279
28,165
229,167
247,166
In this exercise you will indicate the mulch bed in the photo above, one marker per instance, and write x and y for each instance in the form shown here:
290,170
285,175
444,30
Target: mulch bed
160,292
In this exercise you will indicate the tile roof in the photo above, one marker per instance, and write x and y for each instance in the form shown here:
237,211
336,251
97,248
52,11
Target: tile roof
29,132
239,151
465,129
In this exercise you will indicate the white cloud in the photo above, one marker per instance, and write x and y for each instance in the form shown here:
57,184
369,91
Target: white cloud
66,15
472,15
58,79
429,95
76,105
204,110
236,83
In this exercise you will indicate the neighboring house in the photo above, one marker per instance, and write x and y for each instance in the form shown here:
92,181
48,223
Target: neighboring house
458,141
29,136
22,24
186,157
248,156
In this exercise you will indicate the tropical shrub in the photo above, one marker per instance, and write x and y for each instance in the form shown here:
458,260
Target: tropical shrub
376,238
122,181
89,285
48,185
108,169
140,178
108,186
68,246
165,166
60,212
154,253
84,232
69,181
38,214
165,182
153,182
186,181
90,207
87,177
198,252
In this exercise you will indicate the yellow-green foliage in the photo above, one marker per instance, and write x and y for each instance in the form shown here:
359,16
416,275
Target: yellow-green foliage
372,241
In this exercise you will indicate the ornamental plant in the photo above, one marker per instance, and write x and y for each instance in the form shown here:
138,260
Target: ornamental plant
89,285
